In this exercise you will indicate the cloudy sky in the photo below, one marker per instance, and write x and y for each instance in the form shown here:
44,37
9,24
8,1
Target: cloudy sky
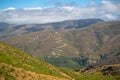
45,11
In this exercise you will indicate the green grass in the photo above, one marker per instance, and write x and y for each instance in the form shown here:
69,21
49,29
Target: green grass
17,58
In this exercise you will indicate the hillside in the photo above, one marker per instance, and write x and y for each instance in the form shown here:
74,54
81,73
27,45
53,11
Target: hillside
7,30
17,65
97,44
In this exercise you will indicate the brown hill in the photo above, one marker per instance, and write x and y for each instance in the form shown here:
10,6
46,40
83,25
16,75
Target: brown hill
97,44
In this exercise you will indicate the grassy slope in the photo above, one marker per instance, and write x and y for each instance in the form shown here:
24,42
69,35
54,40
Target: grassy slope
19,59
9,72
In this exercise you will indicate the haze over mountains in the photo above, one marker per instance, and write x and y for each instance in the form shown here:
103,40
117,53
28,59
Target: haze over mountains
7,30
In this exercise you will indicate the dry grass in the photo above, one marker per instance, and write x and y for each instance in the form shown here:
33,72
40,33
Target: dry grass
21,74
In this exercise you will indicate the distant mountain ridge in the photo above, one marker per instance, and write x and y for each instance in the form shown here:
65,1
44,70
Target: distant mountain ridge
7,30
97,44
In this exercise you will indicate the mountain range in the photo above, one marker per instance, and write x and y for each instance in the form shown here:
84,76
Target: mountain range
97,44
7,29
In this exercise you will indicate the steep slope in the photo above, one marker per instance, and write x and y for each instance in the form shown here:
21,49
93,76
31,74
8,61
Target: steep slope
7,30
16,65
96,44
8,72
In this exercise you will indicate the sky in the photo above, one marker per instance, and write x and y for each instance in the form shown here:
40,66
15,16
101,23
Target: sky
43,3
47,3
58,10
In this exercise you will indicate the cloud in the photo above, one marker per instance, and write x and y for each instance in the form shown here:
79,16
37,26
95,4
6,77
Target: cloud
106,10
109,6
10,8
110,16
68,7
35,8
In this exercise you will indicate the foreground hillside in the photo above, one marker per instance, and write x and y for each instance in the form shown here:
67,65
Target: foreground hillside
97,44
9,72
16,65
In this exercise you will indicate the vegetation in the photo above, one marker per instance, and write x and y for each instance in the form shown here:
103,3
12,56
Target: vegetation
19,59
62,61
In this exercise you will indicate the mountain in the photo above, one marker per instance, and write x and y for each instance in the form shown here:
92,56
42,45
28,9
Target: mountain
3,25
97,44
7,30
17,65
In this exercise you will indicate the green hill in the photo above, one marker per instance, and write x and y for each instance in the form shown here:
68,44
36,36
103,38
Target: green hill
15,63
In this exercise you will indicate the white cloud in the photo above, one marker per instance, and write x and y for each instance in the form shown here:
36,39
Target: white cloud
68,7
110,16
109,6
105,10
10,8
35,8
